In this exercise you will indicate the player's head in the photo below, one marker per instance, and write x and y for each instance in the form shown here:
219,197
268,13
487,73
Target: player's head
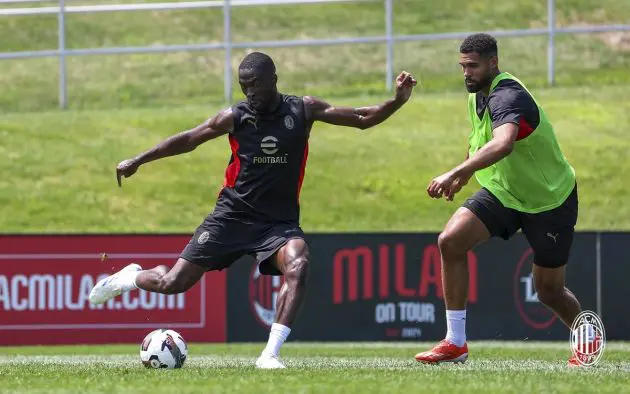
478,56
257,77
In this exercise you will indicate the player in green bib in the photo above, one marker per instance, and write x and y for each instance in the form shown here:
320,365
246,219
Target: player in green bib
527,184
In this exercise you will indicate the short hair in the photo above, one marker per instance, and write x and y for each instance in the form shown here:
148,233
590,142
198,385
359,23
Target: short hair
259,62
483,44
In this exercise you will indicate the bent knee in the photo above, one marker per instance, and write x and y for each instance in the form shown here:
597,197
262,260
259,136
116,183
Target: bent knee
462,233
450,242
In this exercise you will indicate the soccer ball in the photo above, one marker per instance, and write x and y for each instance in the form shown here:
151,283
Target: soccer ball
163,349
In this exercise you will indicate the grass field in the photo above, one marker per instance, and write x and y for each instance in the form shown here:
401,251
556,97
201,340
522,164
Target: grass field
343,71
493,367
59,168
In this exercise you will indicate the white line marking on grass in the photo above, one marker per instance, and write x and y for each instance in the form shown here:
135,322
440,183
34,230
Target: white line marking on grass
308,363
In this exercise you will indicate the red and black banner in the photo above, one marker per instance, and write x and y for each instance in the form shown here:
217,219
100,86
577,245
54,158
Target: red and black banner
361,287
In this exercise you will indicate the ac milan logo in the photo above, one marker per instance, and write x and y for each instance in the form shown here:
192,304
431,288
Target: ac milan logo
203,238
532,311
263,293
588,338
289,123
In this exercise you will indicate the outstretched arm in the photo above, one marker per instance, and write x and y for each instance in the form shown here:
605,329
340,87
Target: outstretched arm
361,118
183,142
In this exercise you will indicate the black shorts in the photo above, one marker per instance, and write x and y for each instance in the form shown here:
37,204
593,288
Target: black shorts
549,233
219,242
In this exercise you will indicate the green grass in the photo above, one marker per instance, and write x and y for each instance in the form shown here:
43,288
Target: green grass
59,168
495,367
342,71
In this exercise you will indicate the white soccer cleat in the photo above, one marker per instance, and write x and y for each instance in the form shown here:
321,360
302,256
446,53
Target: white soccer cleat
267,361
110,287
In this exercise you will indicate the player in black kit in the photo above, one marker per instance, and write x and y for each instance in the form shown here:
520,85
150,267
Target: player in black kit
257,212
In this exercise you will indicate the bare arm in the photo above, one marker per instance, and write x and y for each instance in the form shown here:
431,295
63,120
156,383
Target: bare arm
361,118
499,147
183,142
189,140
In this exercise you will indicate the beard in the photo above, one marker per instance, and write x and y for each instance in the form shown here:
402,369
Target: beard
476,86
472,87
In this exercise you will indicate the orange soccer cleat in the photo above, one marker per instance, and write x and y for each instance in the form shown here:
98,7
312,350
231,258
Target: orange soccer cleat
444,352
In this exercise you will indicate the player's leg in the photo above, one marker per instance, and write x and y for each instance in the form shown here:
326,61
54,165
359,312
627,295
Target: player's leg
549,270
209,249
289,257
158,280
178,279
463,232
550,287
550,235
292,260
481,217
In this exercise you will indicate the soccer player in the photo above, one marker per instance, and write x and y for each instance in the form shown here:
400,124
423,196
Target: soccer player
257,212
527,183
